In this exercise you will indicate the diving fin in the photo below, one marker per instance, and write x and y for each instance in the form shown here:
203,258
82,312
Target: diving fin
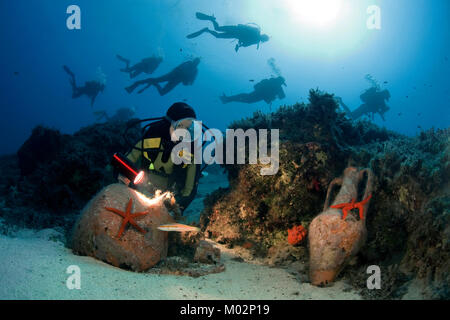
196,34
131,88
66,69
202,16
122,59
145,88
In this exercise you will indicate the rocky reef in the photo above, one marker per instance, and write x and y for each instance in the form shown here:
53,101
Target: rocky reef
408,222
53,175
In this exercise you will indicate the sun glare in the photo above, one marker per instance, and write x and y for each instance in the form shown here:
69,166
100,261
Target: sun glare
318,13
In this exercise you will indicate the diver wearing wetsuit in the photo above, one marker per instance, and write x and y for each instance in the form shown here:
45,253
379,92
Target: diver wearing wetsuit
245,34
153,155
147,65
185,73
267,90
374,102
90,88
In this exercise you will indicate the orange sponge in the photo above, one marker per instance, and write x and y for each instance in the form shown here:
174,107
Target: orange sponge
296,235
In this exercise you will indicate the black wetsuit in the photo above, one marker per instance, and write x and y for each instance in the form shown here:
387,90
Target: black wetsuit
374,102
90,88
153,154
246,35
267,90
185,73
147,65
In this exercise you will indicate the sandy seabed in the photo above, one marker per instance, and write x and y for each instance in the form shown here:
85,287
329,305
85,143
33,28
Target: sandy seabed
34,266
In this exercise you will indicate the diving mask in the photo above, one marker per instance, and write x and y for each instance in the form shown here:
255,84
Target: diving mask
185,129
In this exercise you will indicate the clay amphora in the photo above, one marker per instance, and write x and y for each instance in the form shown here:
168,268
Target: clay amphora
333,241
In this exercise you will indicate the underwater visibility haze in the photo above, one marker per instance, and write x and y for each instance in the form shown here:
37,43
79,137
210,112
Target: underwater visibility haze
324,45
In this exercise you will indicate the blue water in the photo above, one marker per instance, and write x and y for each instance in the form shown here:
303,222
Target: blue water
410,52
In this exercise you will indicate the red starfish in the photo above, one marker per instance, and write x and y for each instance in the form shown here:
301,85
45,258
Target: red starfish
346,207
128,217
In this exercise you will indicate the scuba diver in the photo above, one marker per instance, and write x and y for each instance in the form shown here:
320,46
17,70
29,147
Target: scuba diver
245,34
267,90
185,73
152,154
374,102
147,65
90,88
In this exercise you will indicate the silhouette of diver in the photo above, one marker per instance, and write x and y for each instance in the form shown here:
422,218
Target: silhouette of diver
147,65
267,90
185,73
374,102
245,34
90,88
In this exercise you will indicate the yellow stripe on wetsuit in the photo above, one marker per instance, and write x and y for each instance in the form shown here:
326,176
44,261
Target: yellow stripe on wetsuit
158,164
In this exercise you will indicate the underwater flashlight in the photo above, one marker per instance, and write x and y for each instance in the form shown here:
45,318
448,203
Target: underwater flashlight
127,169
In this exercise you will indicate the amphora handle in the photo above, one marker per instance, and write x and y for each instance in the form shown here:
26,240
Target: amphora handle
338,182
